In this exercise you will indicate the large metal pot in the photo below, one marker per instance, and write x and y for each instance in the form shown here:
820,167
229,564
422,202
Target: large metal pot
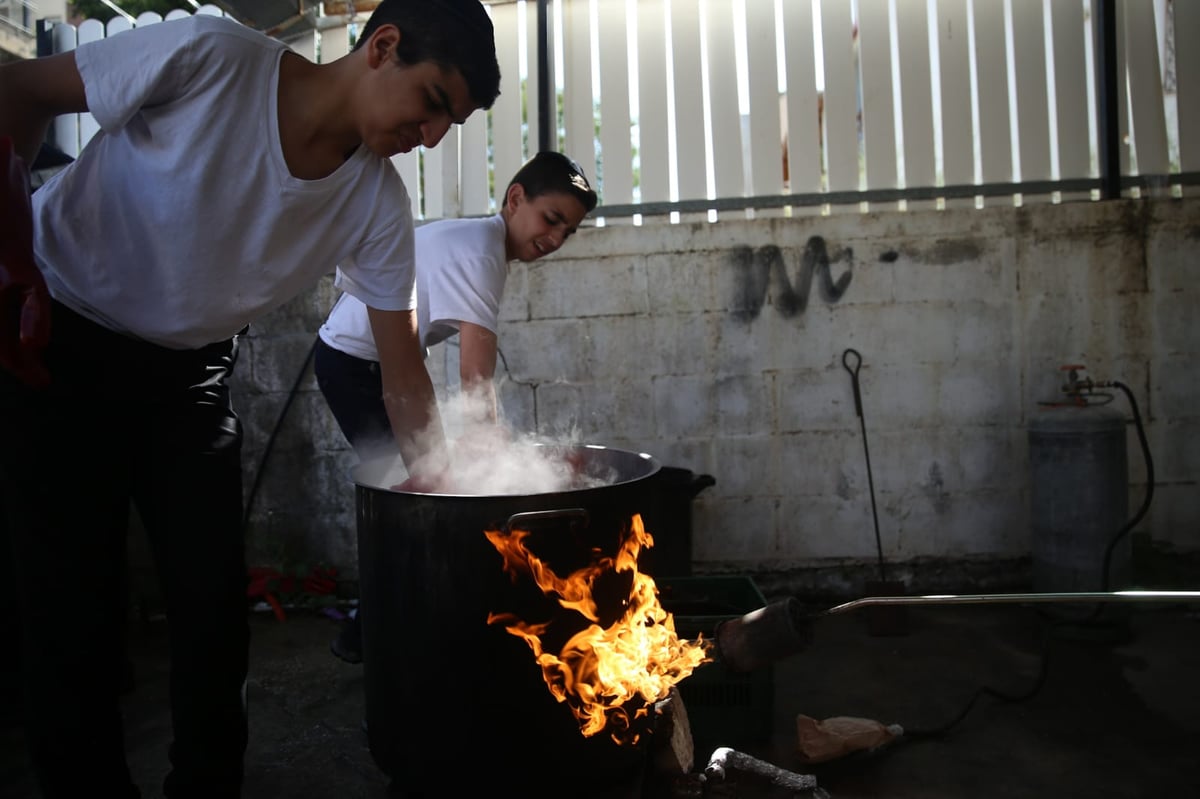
454,704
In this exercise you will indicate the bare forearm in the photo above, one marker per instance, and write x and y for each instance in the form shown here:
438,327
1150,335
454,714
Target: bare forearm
477,367
481,405
32,94
416,423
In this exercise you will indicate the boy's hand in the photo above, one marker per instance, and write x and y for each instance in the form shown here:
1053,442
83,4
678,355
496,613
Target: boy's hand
24,300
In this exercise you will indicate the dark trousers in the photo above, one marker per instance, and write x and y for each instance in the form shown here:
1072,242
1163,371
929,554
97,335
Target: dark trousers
126,421
353,389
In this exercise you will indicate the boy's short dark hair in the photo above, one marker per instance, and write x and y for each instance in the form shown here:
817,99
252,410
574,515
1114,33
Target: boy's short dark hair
552,172
454,34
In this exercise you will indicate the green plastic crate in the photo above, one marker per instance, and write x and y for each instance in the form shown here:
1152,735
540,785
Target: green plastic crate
724,707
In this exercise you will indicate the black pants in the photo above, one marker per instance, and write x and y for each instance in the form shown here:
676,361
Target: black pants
353,389
126,421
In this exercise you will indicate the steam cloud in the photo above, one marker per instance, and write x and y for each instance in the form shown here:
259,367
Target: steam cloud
489,459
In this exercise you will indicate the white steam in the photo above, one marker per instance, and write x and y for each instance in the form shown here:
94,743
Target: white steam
491,459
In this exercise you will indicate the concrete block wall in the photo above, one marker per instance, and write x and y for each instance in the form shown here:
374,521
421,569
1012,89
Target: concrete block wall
721,348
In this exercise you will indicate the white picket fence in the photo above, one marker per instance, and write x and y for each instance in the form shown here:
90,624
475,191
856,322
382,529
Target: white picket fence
699,108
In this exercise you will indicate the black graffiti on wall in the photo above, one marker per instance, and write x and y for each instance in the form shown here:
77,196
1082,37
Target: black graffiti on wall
761,276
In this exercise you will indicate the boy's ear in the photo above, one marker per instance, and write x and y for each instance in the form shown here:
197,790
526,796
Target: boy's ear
382,44
515,196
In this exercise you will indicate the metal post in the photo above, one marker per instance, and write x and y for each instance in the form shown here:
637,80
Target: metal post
545,104
45,44
1107,105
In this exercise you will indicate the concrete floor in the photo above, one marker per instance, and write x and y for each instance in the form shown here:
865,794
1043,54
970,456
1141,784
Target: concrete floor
1112,719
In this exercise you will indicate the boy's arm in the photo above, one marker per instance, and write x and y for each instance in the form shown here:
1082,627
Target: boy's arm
477,366
32,93
408,395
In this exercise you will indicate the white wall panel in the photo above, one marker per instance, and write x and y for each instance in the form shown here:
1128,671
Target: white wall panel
1187,76
506,120
841,96
1070,90
689,100
578,102
766,131
879,112
803,115
1033,115
616,148
1145,87
653,150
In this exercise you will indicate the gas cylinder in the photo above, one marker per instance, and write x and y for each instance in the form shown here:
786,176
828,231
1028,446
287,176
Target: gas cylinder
1079,497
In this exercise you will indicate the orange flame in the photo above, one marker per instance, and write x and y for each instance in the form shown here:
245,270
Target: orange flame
600,669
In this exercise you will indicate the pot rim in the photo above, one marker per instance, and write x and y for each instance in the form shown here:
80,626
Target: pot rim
361,469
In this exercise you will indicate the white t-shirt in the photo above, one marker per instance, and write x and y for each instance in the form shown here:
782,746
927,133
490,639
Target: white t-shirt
461,269
180,222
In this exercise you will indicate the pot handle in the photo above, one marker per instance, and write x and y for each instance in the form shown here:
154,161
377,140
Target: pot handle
544,515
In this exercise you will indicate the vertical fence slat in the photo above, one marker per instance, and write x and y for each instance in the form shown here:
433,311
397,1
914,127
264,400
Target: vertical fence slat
766,132
1187,85
409,167
954,67
507,153
916,92
689,100
433,193
303,45
1145,88
450,179
841,95
114,26
995,141
578,117
779,145
1033,113
652,102
729,177
1070,90
616,149
878,101
65,128
473,163
335,43
803,115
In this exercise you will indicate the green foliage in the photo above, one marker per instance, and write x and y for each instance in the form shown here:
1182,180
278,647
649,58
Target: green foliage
94,9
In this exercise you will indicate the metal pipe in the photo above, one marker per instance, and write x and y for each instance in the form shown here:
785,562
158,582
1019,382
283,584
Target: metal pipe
546,120
1104,23
982,599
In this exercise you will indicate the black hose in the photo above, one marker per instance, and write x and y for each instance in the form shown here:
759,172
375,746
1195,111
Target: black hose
262,461
1147,497
1038,683
1043,669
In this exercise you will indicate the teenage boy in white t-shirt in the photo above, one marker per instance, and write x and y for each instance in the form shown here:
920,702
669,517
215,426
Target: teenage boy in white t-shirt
229,174
462,265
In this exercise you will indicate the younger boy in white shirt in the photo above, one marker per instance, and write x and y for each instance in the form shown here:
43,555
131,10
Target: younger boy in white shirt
462,265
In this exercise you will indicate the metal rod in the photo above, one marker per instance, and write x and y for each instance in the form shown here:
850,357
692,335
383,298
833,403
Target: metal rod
981,599
858,408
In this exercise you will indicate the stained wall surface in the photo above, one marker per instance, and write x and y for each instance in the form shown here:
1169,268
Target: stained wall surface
723,348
